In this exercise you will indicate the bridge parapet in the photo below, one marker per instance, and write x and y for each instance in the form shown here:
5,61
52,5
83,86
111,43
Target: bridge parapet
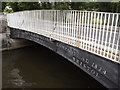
95,32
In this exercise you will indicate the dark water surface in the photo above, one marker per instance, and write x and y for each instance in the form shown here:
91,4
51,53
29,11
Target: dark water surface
38,67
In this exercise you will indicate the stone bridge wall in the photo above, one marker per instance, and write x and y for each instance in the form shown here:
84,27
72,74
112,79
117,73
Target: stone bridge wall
6,42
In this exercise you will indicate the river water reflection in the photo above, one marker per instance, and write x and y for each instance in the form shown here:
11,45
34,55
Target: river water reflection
38,67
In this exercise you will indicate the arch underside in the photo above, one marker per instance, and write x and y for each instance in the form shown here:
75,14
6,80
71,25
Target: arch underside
104,71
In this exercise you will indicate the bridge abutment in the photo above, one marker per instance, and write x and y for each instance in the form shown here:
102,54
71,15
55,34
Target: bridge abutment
7,43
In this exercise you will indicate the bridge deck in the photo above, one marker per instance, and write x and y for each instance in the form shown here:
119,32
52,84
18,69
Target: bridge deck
95,32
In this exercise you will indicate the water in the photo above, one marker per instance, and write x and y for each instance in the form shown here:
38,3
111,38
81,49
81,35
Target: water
38,67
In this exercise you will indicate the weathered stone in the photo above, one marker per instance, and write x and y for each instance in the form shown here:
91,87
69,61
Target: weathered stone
3,23
6,42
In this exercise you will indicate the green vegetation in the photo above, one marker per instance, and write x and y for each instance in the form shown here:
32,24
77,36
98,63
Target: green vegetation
8,9
96,21
91,6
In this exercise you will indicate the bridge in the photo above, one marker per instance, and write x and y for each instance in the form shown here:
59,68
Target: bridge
88,39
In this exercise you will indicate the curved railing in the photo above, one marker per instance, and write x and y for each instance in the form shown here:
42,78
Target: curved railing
95,32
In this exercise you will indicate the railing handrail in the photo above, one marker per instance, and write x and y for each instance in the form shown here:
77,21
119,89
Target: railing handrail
65,10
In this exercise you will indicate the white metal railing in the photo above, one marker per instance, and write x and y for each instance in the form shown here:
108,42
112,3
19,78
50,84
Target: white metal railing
96,32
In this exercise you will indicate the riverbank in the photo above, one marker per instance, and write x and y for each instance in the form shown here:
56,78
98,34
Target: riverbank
7,43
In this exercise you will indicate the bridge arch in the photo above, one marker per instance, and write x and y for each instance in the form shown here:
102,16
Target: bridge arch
86,61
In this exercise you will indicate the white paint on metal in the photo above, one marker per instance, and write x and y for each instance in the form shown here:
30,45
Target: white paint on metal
95,32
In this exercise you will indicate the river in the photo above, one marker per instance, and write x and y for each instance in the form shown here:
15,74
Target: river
38,67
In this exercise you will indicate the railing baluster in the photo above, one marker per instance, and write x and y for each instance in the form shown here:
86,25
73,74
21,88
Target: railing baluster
74,27
87,38
50,22
80,25
100,31
113,44
85,28
93,32
106,39
77,29
59,18
66,27
96,34
82,29
117,47
90,35
56,25
102,42
69,28
59,23
63,26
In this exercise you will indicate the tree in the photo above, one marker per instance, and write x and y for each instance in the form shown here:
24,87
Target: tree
13,5
96,6
20,6
3,5
46,5
61,6
90,6
77,5
28,6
